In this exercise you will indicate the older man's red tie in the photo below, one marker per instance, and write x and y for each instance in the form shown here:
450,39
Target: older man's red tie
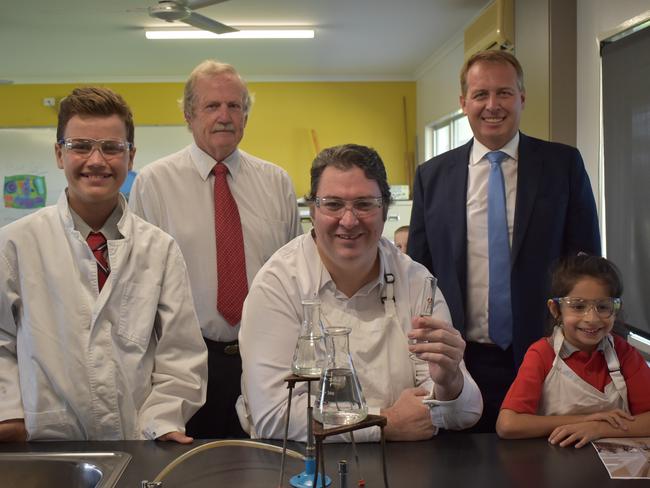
232,284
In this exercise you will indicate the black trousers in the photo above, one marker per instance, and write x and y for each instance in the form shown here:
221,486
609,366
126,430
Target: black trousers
217,419
494,370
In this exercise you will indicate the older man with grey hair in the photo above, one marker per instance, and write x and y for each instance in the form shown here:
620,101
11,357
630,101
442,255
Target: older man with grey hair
229,212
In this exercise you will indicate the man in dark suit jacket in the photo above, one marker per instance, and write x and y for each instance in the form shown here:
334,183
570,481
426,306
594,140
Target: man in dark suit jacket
550,211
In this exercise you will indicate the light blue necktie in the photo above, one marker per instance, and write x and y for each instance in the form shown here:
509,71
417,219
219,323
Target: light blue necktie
499,306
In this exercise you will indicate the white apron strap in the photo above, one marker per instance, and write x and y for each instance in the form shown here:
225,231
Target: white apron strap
558,339
614,367
389,298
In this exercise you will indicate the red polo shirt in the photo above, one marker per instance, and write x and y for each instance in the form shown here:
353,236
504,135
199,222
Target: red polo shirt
525,392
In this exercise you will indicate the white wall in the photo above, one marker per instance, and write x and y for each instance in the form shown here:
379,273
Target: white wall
596,19
532,51
438,87
31,151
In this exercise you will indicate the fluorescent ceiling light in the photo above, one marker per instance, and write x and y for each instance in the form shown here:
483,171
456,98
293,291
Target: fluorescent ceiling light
242,34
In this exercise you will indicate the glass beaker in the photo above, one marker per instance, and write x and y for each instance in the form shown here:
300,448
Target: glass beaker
309,355
340,400
425,305
427,299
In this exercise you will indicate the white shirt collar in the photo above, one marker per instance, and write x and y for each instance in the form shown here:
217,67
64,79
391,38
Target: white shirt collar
479,150
205,163
110,227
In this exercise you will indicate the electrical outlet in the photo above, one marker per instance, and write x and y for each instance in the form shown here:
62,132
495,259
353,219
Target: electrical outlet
49,102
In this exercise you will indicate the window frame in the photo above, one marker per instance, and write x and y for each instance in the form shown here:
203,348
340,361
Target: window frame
451,122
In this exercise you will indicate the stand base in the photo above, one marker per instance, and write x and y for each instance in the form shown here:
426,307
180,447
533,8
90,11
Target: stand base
320,433
306,478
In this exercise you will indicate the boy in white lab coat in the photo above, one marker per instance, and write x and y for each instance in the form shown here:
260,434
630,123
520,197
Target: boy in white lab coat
98,335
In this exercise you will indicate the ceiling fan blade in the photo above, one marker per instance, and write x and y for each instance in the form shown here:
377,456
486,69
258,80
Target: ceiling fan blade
204,23
194,4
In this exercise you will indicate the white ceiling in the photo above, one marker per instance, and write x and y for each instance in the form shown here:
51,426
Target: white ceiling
103,40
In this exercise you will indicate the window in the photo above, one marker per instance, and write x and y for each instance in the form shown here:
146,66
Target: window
626,164
448,133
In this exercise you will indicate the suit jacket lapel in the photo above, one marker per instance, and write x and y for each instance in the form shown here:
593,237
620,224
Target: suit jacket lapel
529,170
456,195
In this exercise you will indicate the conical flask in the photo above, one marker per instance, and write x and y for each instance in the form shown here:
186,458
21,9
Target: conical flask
340,400
309,355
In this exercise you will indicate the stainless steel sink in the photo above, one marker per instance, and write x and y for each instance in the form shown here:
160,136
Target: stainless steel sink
67,469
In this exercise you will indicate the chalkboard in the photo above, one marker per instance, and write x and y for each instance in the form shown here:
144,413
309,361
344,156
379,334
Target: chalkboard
29,174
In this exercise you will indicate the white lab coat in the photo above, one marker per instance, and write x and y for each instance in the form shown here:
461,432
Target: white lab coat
126,363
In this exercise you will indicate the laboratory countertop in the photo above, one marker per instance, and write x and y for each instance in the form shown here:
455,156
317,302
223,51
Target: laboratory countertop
449,460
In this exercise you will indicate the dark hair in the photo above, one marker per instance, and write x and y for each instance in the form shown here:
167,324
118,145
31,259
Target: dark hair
93,101
503,57
570,270
346,156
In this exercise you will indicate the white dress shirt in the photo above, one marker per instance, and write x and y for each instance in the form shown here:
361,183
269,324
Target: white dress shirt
176,193
477,231
271,324
128,362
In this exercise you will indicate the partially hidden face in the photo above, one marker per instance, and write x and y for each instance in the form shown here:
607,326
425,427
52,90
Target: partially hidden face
347,242
401,240
94,178
584,330
218,121
493,103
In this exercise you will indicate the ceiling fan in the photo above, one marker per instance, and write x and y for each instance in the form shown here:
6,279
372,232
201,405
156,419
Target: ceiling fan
183,10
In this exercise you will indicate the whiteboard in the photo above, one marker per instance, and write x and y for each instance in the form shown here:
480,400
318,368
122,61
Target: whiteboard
31,152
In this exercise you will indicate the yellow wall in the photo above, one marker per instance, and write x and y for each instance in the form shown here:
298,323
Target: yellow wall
281,123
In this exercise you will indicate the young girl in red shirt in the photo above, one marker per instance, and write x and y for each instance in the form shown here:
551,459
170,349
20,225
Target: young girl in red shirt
582,383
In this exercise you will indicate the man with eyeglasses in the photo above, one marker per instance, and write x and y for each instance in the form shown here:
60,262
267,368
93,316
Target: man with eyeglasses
229,212
98,336
365,283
